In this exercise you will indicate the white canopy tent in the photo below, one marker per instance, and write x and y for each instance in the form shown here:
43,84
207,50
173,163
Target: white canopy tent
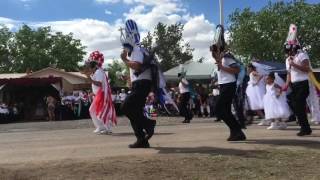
194,71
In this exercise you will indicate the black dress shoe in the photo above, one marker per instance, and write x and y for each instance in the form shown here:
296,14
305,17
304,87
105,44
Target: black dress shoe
240,136
140,144
304,132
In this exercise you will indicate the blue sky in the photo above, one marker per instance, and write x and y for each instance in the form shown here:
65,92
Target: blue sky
96,22
53,10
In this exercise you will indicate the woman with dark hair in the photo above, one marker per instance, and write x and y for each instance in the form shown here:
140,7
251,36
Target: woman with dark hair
102,111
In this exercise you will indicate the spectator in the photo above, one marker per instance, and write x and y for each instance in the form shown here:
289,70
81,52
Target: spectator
122,95
77,104
85,103
51,106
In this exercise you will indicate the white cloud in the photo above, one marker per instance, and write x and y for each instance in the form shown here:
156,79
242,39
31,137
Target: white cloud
148,13
27,4
128,1
199,33
104,36
95,34
107,1
9,23
107,12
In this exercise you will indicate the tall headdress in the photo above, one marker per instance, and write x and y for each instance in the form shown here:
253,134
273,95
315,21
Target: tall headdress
218,39
292,38
292,43
131,35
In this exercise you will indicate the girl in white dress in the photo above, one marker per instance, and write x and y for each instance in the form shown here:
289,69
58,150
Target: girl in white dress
275,104
255,91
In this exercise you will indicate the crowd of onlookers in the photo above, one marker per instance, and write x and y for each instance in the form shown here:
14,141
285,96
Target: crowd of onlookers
202,101
75,105
8,113
118,98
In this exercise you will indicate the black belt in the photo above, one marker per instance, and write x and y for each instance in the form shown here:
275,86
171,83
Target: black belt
300,83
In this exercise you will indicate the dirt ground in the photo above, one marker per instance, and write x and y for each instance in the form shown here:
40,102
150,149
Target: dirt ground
194,151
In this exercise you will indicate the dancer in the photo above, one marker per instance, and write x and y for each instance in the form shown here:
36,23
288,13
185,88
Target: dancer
133,56
255,92
298,67
227,70
102,111
185,97
275,104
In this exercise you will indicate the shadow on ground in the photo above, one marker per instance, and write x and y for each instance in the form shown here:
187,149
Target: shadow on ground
311,144
132,134
211,151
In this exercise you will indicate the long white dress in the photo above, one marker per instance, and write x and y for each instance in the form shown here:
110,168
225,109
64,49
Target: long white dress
255,92
275,107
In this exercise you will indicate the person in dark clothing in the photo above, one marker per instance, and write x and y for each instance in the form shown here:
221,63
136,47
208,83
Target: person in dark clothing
298,67
239,102
133,106
227,70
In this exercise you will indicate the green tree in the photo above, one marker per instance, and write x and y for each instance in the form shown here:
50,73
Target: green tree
39,48
170,47
5,46
32,48
116,66
263,33
66,51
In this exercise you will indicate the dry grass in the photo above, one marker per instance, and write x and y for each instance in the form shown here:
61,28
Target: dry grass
171,163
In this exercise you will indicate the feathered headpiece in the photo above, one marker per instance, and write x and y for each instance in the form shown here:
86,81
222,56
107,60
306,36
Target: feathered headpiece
218,40
131,37
97,57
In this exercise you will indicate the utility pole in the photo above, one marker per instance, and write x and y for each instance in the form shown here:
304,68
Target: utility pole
221,11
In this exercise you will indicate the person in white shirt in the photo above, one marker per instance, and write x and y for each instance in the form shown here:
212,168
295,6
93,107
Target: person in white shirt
227,70
298,67
134,103
123,95
101,110
184,98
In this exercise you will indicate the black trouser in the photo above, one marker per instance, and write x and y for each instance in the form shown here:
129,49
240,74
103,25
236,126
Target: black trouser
238,104
223,106
300,92
133,107
185,98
